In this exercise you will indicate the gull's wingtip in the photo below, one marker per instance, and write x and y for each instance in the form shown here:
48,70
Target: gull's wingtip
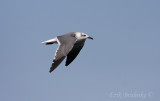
50,71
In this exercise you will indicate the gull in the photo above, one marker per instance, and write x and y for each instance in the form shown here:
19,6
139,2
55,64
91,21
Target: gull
70,45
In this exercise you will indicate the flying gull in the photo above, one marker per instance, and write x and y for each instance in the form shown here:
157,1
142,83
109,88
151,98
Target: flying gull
70,45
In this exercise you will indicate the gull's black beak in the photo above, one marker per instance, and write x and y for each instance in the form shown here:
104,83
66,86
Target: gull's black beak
90,37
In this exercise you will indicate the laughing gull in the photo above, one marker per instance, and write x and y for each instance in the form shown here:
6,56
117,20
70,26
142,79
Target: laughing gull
70,45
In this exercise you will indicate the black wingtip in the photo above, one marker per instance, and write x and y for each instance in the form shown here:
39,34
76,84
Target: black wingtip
66,65
50,70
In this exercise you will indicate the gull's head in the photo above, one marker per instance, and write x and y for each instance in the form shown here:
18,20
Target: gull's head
80,36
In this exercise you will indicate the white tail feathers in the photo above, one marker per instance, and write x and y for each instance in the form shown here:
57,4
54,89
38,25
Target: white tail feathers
51,41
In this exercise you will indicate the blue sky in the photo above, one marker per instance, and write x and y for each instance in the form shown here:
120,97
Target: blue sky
122,62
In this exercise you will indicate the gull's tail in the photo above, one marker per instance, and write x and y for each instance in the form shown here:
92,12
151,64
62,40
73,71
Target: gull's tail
51,41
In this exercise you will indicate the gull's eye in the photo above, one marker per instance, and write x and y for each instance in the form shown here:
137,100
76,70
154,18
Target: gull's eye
83,35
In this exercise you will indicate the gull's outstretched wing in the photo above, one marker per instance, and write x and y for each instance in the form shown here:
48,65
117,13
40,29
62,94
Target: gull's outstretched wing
66,43
75,51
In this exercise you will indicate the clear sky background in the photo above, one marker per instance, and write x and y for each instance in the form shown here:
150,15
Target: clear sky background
122,63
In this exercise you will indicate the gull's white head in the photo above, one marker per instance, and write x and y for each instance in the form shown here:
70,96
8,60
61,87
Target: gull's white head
80,36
